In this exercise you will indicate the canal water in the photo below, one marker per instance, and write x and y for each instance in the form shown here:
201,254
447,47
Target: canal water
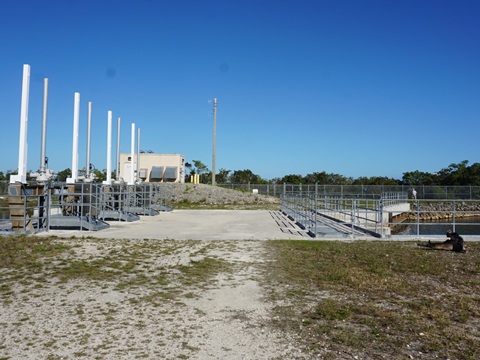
463,226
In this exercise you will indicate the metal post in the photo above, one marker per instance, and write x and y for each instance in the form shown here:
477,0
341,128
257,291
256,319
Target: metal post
117,161
108,181
453,215
418,218
138,155
352,216
214,142
76,125
22,143
76,116
44,128
89,122
315,209
132,156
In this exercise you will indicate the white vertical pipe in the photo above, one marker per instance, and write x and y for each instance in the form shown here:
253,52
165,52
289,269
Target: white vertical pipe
117,173
138,155
76,117
89,127
22,143
214,142
131,181
43,149
109,148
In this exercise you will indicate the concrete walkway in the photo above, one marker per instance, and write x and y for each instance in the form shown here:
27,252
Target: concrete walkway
201,225
225,225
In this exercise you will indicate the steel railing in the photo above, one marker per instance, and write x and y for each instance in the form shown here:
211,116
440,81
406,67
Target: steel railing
391,214
422,191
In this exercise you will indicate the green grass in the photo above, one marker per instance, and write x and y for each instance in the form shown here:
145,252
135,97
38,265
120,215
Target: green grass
24,251
376,299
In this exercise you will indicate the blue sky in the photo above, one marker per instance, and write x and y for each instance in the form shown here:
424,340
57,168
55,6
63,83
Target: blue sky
358,88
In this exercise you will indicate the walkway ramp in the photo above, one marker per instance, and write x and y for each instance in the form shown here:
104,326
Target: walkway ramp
325,225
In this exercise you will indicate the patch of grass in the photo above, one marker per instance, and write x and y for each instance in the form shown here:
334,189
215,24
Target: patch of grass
21,250
199,271
376,299
91,270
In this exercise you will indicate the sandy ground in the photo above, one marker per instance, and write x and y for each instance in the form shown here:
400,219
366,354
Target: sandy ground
224,318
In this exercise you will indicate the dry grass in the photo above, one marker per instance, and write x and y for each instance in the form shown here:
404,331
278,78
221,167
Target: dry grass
186,205
116,277
379,299
342,300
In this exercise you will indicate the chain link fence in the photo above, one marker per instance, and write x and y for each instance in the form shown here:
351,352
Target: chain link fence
364,191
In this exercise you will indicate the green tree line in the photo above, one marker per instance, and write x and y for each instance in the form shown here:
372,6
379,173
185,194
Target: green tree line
460,174
61,176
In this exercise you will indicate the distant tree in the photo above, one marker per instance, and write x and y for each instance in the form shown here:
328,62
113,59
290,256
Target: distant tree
64,174
362,180
189,167
222,176
293,179
474,174
375,180
200,168
419,178
454,174
337,179
245,177
325,178
100,175
316,178
10,172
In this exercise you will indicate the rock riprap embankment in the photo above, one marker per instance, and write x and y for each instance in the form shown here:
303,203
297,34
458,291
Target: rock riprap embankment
444,210
213,195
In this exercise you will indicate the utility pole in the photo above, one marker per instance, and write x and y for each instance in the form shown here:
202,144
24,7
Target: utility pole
214,145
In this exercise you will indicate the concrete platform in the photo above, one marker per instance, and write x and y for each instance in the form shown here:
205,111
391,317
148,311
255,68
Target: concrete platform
200,225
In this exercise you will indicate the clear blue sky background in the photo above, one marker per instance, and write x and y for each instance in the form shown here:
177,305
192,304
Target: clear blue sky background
359,88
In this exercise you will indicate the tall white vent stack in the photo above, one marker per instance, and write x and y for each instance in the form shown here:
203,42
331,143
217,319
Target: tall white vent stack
76,119
22,143
109,149
131,181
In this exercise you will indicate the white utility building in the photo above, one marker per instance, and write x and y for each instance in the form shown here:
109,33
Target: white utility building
153,167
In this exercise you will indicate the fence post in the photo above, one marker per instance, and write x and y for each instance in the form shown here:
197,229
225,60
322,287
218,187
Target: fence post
380,203
352,217
453,215
418,217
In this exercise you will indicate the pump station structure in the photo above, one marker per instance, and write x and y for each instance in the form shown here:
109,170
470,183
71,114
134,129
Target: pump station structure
80,202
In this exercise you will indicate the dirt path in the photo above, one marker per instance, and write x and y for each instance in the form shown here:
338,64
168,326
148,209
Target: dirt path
127,299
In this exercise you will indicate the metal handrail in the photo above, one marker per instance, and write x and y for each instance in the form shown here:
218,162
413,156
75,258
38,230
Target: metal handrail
380,216
422,191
